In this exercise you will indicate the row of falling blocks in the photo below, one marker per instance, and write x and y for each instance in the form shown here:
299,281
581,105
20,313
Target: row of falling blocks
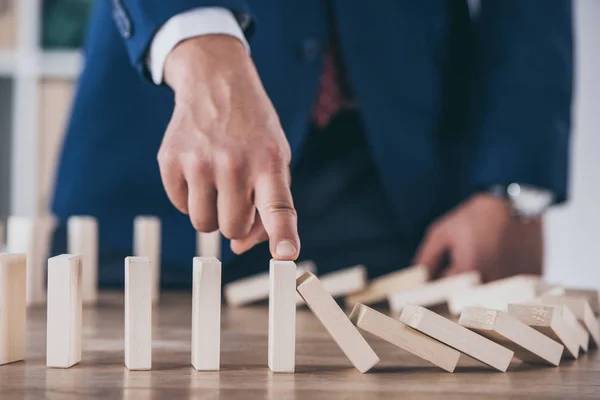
32,236
537,333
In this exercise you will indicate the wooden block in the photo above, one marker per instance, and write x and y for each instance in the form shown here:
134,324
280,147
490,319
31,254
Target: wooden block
208,244
282,316
206,314
8,24
138,313
456,336
256,288
333,318
591,295
63,338
83,240
399,334
582,310
13,308
528,344
2,236
549,321
433,293
381,287
343,282
32,236
583,337
147,243
495,295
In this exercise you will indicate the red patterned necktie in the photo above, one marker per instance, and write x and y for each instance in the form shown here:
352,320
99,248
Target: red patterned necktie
330,99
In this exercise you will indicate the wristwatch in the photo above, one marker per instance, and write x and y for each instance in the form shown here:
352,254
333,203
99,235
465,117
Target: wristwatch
527,202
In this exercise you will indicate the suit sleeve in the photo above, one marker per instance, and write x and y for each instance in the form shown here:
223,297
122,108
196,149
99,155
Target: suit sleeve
524,63
139,20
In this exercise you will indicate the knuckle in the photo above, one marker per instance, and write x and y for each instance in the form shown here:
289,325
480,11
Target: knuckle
230,164
197,163
167,158
275,158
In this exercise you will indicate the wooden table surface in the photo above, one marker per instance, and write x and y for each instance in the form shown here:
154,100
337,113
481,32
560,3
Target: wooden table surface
322,371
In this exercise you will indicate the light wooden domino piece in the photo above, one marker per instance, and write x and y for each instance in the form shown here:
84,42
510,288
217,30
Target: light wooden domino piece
333,318
138,313
63,338
399,334
208,244
583,337
433,293
147,243
282,316
256,288
591,295
549,321
32,236
83,240
528,344
206,314
343,282
456,336
582,310
495,295
379,288
13,308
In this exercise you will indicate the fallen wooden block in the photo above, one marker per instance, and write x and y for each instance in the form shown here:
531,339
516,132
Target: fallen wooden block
528,344
147,243
399,334
13,308
433,293
343,282
208,244
582,310
83,240
206,314
256,288
63,338
32,236
456,336
282,316
549,321
333,318
495,295
591,295
138,313
583,337
381,287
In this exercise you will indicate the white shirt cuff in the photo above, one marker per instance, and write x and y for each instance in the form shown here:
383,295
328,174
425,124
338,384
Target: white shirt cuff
196,22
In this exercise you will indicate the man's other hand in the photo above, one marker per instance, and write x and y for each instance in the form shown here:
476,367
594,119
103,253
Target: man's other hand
224,159
481,234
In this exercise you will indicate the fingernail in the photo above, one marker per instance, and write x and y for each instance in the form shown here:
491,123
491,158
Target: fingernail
285,248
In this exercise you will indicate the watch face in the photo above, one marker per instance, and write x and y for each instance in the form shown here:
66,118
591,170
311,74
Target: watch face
529,201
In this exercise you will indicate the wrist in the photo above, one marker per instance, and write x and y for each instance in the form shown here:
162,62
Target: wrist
200,58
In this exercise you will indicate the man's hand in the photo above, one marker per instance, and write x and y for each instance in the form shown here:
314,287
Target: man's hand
481,234
224,159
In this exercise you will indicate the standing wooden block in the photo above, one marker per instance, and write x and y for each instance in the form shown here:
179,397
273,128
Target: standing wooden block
343,282
208,244
63,338
147,243
138,313
456,336
582,310
206,314
495,295
591,295
528,344
549,321
32,236
398,334
333,318
256,288
381,287
83,240
13,309
282,316
433,293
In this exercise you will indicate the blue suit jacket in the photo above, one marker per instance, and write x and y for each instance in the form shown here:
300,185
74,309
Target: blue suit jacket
449,105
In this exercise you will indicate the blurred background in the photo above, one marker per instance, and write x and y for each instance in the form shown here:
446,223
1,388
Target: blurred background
40,42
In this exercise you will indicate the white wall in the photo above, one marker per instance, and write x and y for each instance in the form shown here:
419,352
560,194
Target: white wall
573,231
